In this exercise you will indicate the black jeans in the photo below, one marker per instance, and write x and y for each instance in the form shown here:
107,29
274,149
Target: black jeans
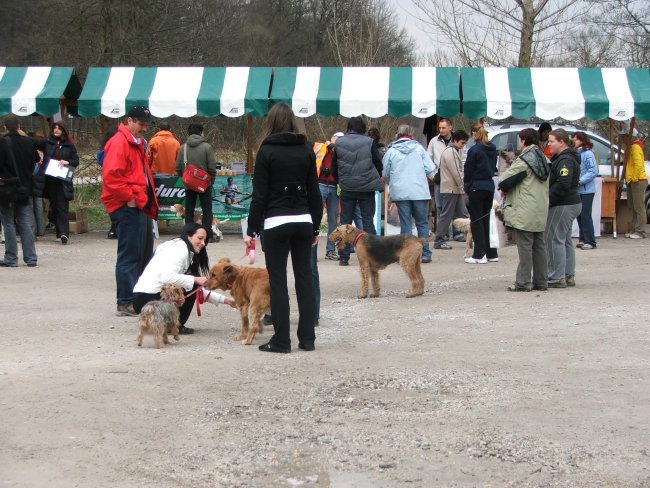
141,299
59,205
206,208
480,204
294,238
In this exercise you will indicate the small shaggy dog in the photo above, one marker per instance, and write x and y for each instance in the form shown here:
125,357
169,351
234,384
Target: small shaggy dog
180,212
251,290
464,226
161,317
376,252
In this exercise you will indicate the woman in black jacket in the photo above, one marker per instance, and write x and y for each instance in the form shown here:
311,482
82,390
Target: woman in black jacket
57,147
286,208
480,166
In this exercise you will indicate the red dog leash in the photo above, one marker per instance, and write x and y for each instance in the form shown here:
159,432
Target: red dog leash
200,298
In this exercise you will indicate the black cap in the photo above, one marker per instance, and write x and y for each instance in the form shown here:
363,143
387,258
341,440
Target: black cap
544,126
140,113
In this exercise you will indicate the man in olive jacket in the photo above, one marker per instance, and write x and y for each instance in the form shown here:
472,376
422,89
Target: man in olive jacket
525,183
198,152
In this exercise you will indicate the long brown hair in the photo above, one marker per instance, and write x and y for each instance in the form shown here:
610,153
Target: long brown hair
479,134
279,119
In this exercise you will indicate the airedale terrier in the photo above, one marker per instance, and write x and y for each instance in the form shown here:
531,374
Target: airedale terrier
161,317
251,290
376,252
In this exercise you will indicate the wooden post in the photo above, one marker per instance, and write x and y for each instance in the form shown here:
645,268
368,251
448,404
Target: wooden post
249,144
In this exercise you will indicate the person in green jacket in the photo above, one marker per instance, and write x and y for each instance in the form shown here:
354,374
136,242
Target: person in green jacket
525,184
198,152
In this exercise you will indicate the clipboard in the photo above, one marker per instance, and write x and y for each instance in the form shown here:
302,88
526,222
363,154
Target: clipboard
61,172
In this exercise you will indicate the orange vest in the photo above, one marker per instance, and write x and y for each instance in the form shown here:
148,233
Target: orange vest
320,150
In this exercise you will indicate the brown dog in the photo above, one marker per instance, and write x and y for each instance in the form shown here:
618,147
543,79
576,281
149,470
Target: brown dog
251,290
375,253
161,317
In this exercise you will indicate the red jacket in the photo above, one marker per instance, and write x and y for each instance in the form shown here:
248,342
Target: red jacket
124,172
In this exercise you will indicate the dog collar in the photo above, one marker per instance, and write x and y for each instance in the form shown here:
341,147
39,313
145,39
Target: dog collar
356,239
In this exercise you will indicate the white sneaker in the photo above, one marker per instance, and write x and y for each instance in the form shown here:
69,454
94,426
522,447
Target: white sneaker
483,260
635,236
493,260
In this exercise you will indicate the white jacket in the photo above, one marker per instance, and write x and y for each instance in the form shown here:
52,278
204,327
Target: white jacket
169,264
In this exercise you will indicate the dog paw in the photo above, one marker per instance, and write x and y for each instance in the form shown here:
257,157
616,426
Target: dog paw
246,342
361,297
373,295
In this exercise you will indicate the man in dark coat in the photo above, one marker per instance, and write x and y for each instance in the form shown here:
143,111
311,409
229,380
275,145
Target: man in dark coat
17,208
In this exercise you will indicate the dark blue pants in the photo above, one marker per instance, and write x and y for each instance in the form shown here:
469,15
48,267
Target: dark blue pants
367,207
586,221
480,204
134,249
206,208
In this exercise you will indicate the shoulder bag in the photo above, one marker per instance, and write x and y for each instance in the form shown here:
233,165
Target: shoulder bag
194,178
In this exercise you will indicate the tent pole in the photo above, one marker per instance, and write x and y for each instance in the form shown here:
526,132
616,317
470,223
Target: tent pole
249,144
611,147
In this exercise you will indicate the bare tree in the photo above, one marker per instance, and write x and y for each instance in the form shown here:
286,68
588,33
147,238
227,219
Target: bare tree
499,32
627,22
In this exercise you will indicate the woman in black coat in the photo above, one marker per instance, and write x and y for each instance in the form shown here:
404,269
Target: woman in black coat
480,167
287,209
57,147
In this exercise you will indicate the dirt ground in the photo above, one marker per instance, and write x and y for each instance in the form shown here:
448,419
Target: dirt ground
468,385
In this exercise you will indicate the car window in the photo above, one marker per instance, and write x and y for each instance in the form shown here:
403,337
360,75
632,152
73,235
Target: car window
602,152
504,141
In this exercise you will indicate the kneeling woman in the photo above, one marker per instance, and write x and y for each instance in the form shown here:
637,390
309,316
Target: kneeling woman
182,262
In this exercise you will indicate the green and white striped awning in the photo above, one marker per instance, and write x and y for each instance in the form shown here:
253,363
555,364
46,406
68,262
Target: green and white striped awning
548,93
372,91
182,91
38,89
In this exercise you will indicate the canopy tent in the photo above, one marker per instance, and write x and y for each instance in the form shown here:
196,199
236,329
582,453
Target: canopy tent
36,89
182,91
548,93
371,91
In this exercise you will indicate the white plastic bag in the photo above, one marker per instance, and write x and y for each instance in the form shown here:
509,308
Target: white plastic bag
494,231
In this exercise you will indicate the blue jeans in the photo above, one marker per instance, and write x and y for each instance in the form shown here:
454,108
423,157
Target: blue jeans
133,252
367,207
24,216
39,223
418,210
329,197
586,221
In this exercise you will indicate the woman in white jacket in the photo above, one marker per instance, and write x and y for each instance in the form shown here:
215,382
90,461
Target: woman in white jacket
182,262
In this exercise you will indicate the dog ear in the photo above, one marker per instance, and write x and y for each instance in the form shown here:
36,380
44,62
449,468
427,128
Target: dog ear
224,260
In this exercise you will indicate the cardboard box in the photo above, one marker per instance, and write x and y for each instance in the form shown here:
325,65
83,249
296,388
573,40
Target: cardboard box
78,221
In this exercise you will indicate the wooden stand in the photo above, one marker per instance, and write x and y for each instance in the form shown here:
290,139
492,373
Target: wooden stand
608,202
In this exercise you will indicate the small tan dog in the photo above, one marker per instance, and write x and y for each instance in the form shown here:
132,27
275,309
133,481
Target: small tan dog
376,252
180,212
161,317
464,226
251,290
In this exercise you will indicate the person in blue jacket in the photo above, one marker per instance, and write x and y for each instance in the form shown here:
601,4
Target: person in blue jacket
406,169
586,189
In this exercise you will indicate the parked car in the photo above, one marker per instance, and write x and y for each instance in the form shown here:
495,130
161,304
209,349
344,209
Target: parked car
504,137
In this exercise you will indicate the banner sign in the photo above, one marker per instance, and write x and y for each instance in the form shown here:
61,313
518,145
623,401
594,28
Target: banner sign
170,191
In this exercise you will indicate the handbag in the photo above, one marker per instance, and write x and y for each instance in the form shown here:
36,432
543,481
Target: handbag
494,231
194,178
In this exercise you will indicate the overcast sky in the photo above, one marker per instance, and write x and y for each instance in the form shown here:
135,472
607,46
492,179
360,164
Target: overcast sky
406,20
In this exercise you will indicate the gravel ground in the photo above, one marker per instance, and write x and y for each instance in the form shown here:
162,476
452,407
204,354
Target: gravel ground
468,385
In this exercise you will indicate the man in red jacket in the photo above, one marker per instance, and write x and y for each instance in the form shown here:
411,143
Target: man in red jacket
130,200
